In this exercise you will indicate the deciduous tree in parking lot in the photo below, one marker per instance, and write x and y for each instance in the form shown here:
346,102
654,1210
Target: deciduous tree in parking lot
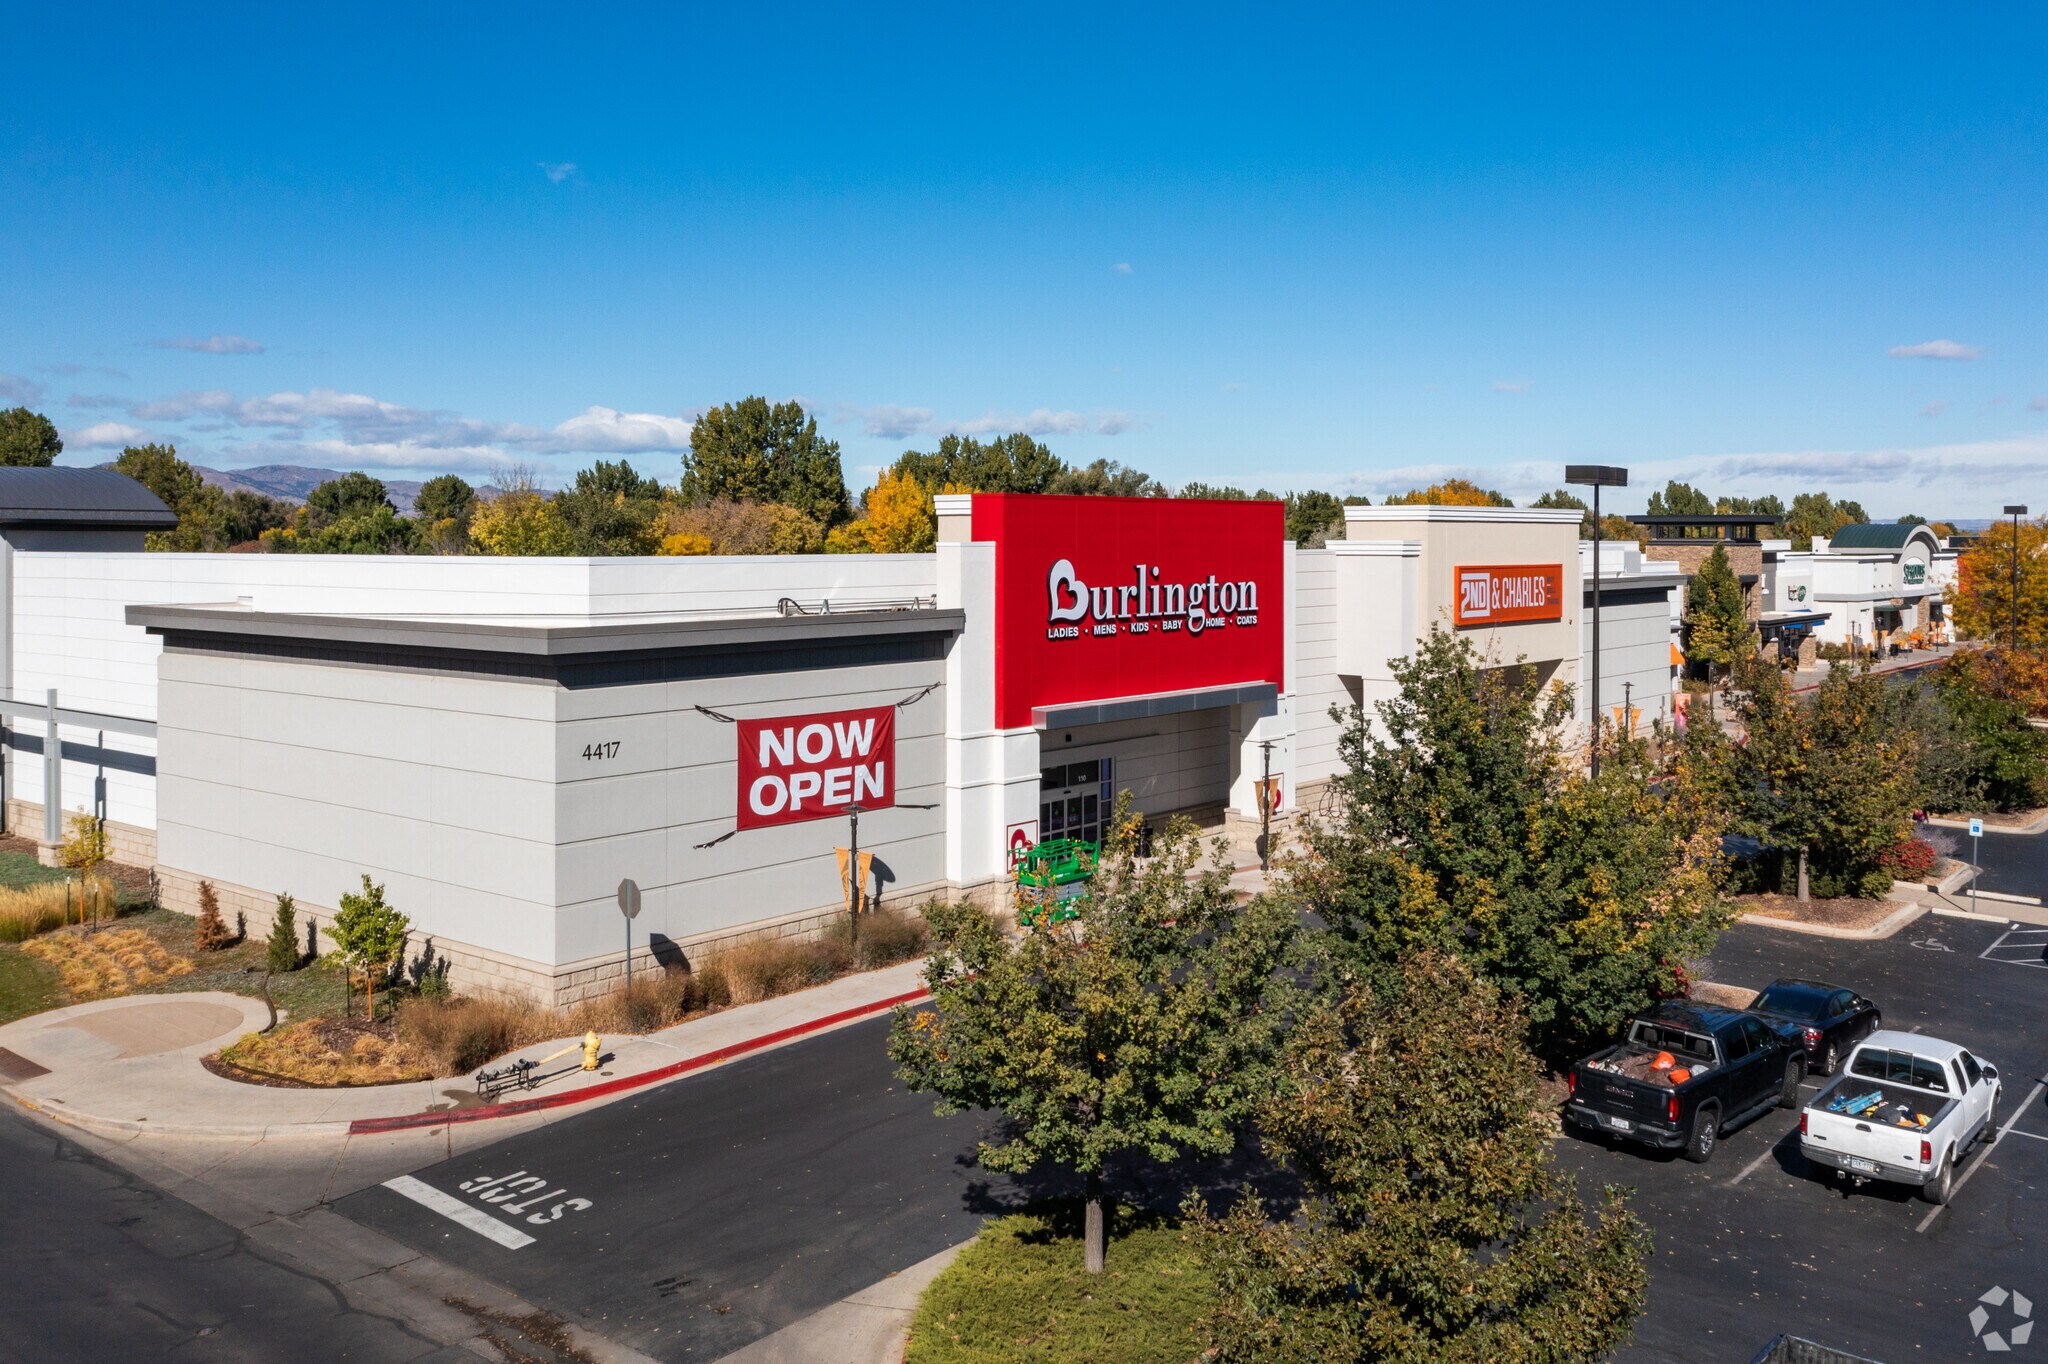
1433,1227
1145,1025
370,936
1464,824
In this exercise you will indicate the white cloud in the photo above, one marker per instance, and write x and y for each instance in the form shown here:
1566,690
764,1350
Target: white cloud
212,345
1510,385
346,454
1115,423
606,429
1935,350
1122,267
1044,421
101,435
16,388
557,171
70,369
1934,409
886,421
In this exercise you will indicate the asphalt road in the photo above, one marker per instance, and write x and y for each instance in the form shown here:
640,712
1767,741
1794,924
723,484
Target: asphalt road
2013,864
1755,1242
707,1213
105,1266
704,1214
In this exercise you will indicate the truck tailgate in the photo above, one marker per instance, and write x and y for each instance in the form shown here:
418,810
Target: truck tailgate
1868,1135
1607,1092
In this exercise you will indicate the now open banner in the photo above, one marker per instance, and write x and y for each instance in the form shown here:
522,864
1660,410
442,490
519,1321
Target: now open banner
798,767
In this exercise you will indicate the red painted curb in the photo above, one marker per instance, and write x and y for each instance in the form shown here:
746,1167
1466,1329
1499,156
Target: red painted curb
668,1072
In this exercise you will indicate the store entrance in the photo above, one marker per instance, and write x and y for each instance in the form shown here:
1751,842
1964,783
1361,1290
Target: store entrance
1074,800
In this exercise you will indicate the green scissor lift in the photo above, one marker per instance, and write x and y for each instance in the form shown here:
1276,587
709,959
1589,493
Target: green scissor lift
1053,877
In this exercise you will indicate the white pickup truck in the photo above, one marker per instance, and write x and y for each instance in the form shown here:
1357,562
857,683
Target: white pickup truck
1904,1110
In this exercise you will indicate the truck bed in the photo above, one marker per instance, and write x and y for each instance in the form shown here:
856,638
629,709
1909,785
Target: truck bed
1620,1081
1877,1134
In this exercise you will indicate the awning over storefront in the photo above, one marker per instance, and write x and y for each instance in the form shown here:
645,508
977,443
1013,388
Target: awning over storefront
1154,704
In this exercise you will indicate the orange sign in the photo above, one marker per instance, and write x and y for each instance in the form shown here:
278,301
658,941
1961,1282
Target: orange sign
1504,594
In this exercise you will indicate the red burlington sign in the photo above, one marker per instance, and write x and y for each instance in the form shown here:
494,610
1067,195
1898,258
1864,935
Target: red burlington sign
798,767
1503,594
1103,597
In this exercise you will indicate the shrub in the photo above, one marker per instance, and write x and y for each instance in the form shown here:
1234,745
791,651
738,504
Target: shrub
461,1034
284,937
767,967
884,939
211,933
1909,859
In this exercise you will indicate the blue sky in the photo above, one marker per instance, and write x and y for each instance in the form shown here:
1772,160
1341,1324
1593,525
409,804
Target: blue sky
1346,248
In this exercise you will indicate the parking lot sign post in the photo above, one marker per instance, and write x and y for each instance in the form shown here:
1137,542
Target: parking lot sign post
629,906
1976,858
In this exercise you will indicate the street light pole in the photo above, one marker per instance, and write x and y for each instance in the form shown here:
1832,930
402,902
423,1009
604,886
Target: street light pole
1596,476
2016,512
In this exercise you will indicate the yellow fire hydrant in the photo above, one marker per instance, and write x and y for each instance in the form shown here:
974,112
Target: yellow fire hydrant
591,1045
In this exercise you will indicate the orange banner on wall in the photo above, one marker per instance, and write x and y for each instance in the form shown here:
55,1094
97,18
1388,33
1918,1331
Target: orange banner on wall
1506,594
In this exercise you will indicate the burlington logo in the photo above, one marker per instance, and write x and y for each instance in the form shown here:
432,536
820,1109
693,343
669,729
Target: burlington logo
1146,602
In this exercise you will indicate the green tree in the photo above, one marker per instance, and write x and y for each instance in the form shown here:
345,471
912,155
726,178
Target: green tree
2004,759
370,936
1434,1228
1817,514
1008,464
1107,478
442,510
180,488
245,515
1463,824
363,528
1824,783
1717,628
751,451
1144,1025
1983,598
28,440
283,953
1311,517
1680,499
1215,492
611,510
444,497
351,494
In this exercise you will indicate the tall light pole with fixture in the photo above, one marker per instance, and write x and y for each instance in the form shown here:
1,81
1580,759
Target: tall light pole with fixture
2016,512
1596,477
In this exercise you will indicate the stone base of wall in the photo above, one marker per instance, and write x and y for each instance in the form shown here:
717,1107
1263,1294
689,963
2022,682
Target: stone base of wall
473,969
129,843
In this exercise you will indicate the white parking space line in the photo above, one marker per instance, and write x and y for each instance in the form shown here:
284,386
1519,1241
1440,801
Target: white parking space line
1751,1168
2023,940
455,1210
2035,1136
2025,1106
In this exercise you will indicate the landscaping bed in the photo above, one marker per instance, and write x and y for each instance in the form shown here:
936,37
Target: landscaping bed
1018,1292
1841,912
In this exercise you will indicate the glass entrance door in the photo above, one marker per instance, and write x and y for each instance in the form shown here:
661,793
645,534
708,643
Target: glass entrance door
1074,800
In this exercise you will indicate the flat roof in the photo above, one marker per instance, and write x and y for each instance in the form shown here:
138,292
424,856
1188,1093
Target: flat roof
542,637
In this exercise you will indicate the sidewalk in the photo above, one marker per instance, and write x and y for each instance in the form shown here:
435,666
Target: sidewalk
132,1065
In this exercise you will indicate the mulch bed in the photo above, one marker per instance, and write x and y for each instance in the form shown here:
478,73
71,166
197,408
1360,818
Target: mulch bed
227,1070
1845,912
2010,819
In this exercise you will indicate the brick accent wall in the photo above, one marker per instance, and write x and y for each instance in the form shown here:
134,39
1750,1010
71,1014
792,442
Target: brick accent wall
1746,559
128,843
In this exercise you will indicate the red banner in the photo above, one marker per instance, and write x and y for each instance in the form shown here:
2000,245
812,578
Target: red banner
799,767
1505,594
1105,597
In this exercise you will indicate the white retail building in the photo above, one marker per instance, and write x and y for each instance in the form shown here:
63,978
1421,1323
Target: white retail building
501,741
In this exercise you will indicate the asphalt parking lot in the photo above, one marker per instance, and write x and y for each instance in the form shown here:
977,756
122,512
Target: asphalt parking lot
2012,864
1755,1242
707,1213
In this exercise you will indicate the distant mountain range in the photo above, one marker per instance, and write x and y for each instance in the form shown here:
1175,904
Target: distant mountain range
293,481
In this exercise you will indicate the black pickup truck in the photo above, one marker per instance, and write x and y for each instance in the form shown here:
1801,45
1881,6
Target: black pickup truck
1686,1073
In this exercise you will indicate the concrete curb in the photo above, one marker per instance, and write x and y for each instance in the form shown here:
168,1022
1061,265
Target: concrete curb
57,1111
674,1070
1883,928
